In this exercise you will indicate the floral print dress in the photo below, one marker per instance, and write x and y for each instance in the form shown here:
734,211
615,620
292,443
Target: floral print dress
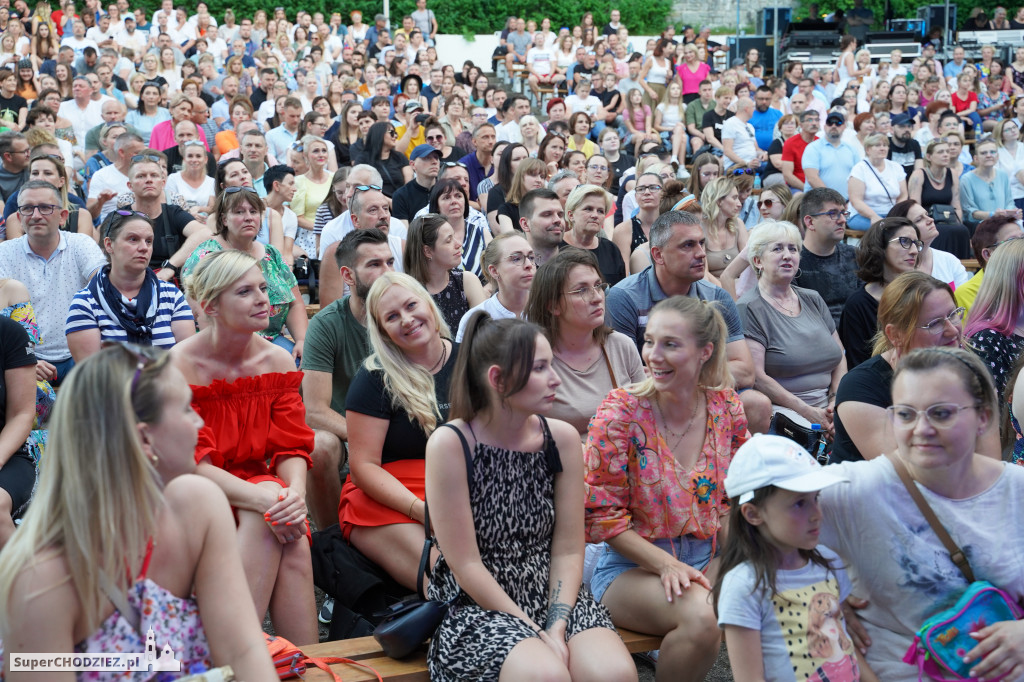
25,315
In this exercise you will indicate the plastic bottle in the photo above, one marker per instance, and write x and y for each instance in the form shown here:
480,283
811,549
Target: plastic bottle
819,449
757,182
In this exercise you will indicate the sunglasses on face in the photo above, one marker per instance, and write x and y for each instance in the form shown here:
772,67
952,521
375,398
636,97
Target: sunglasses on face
766,203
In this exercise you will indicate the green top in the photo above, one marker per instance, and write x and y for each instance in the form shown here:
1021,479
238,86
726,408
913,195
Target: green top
336,343
280,281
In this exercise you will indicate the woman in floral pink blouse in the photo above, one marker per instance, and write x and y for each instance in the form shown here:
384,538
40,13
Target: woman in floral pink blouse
655,489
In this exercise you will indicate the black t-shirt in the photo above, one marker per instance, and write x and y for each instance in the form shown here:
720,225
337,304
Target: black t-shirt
624,163
16,351
713,120
774,148
408,199
404,439
455,156
869,382
169,234
834,277
857,326
10,106
495,198
609,260
511,211
609,99
905,156
581,70
391,171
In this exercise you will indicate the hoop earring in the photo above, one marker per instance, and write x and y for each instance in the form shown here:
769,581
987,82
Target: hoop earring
797,275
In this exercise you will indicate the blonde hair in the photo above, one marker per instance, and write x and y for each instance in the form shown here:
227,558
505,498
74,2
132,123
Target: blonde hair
99,496
581,193
707,326
769,232
215,273
715,191
411,386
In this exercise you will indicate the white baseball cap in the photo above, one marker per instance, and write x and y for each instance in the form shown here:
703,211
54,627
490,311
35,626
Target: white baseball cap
774,460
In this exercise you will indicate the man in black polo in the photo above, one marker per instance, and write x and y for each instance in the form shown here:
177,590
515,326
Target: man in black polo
415,194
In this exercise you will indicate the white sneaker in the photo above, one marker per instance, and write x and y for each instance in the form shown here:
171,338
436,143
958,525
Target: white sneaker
683,174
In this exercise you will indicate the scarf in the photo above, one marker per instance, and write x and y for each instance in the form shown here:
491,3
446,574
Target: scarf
137,325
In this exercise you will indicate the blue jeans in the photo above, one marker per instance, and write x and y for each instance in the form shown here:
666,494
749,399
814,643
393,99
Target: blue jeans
286,343
687,549
63,368
858,222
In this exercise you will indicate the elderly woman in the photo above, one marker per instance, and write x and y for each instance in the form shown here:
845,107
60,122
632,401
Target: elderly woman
798,358
656,457
944,404
585,210
238,213
985,191
125,301
889,248
876,184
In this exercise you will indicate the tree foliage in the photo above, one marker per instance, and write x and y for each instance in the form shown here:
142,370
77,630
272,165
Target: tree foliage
907,9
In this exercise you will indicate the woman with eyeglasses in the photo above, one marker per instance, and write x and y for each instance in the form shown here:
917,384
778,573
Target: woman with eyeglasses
876,184
985,191
940,264
509,266
995,327
586,211
1011,157
120,564
125,301
392,165
631,233
798,358
237,220
51,169
726,234
149,113
889,248
433,257
530,175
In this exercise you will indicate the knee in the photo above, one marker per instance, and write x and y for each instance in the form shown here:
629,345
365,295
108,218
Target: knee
326,453
758,409
296,558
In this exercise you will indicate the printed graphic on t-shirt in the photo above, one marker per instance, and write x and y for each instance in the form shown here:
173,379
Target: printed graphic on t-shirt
815,633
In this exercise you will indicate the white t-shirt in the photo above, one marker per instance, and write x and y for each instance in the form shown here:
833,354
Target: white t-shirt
108,178
193,197
591,105
492,306
336,229
135,40
881,188
670,116
539,59
744,140
803,632
82,121
95,34
898,563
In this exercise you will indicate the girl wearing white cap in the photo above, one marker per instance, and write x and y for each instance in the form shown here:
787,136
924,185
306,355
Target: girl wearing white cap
779,600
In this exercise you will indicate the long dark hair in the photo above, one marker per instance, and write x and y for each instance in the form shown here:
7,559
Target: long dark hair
375,140
746,543
503,174
871,250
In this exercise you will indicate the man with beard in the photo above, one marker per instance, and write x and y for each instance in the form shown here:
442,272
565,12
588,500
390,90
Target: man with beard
336,345
827,161
368,208
542,219
764,117
903,148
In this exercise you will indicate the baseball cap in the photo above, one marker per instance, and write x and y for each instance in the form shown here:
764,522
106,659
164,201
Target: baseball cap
422,150
902,119
413,105
835,118
766,460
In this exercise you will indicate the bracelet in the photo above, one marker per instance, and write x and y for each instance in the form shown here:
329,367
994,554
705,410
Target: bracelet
414,501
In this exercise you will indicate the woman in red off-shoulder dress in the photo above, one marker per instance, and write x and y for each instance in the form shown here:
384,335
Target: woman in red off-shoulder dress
255,444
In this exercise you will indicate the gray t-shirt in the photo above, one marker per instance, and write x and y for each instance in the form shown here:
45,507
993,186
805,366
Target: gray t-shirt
803,633
897,562
520,42
800,352
422,21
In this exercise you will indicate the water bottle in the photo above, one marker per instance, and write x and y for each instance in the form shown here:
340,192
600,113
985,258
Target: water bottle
819,449
757,182
977,131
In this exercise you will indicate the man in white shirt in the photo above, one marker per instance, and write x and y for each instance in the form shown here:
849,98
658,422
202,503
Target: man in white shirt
111,181
166,9
541,66
83,112
102,34
514,108
216,45
131,38
739,140
77,40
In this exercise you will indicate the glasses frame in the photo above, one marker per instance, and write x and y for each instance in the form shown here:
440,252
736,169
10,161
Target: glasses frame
907,244
906,426
955,318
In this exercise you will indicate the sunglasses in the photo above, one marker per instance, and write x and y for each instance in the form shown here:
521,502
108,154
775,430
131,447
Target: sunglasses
453,164
236,190
118,216
741,171
767,203
145,157
367,188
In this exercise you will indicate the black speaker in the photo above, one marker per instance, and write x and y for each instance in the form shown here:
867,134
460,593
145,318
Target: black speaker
766,20
933,16
738,46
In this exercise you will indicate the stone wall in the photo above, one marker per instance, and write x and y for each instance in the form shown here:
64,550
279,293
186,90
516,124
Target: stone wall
722,13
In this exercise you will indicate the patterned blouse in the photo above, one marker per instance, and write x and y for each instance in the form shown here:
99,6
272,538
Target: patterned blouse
280,282
999,353
634,481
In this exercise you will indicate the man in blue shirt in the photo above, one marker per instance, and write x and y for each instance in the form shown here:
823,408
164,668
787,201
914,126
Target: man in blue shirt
827,161
480,164
679,263
764,117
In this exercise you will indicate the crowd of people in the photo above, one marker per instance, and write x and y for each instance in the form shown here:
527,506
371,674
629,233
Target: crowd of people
622,278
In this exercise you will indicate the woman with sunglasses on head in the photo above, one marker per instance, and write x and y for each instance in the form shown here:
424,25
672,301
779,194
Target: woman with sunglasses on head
125,301
255,445
236,222
995,327
889,248
433,257
120,564
381,153
234,173
772,204
940,264
46,167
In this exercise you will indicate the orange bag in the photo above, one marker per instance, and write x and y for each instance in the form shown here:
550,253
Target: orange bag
289,661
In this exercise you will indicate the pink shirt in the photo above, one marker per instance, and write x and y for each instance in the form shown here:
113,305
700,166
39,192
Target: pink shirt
691,79
162,136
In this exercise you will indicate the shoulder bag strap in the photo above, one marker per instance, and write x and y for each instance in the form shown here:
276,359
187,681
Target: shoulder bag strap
879,178
608,362
120,601
424,568
955,553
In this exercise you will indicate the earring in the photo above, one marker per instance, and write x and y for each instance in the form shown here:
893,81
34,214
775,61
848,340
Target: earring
797,276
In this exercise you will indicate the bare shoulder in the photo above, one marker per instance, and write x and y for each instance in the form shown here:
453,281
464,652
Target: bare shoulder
12,291
274,358
43,600
188,493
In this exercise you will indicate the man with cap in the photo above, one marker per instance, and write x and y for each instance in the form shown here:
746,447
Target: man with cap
827,161
410,131
415,194
903,148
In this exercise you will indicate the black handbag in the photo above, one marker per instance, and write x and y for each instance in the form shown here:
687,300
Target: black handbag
944,214
409,623
810,439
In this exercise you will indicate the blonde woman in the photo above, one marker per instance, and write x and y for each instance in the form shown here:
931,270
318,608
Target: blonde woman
397,399
530,175
46,167
726,234
313,186
585,210
82,564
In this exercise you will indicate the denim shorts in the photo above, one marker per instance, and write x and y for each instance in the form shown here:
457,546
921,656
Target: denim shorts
687,549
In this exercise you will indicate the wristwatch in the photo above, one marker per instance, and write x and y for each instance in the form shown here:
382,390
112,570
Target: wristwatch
170,266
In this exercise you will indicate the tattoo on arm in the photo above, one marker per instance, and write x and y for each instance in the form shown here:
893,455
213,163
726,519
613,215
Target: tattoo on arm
557,610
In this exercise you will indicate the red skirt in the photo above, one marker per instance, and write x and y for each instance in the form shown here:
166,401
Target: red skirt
359,509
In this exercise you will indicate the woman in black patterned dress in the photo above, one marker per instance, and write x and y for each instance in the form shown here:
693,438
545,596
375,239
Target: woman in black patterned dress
433,256
509,523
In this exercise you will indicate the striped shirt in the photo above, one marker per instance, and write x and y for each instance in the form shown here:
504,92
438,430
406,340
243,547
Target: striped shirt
87,313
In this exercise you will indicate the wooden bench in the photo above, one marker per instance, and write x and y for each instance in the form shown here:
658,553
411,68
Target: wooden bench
412,669
970,264
312,309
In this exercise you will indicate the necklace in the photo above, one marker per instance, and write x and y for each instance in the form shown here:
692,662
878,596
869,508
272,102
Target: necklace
689,424
936,181
788,311
440,360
